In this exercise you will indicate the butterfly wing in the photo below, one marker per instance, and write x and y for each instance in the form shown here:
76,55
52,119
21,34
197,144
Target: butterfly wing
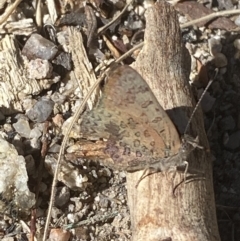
129,116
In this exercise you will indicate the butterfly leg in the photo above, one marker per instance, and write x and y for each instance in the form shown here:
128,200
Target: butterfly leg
185,171
143,176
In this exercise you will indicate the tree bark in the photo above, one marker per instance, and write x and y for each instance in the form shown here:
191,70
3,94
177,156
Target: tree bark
157,213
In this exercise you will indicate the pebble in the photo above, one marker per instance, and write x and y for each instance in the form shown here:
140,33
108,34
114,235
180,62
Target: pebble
7,127
2,117
17,142
39,69
56,213
41,110
39,47
64,59
55,148
104,202
58,98
237,21
234,141
215,45
35,143
220,60
62,196
43,187
227,123
35,133
28,104
22,128
207,101
30,165
14,178
237,43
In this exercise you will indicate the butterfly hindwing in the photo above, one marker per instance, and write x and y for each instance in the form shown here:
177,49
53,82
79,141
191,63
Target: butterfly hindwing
132,121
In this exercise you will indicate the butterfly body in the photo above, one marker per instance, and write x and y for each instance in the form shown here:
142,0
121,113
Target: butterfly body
138,131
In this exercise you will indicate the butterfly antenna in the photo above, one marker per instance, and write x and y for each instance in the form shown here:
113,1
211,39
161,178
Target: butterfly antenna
199,101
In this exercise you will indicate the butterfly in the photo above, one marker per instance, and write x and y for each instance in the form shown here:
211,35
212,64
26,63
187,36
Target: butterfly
133,131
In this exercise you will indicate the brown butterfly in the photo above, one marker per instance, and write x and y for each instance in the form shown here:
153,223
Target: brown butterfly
133,130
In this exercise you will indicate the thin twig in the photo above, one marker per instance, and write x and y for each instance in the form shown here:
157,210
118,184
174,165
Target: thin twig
210,17
61,152
129,52
8,11
105,27
199,101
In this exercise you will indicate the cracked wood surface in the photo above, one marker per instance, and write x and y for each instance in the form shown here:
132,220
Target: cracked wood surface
156,213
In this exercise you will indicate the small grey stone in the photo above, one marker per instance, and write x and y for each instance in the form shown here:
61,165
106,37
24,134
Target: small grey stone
35,143
55,148
58,98
30,165
103,202
138,24
22,128
39,69
237,21
42,187
227,123
2,117
39,47
207,101
215,45
35,133
220,60
56,213
62,196
237,41
28,103
234,141
41,110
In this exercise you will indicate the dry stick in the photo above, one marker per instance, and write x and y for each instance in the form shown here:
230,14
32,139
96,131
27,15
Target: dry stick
210,17
8,11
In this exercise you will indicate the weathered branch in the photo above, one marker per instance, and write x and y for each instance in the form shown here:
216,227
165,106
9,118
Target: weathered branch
156,213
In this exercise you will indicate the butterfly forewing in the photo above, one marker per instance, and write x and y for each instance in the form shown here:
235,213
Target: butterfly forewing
129,116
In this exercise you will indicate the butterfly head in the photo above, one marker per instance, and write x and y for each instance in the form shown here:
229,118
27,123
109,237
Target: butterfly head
188,145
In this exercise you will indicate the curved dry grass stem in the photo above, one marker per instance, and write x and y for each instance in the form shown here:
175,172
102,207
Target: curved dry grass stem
65,139
210,17
8,11
61,152
105,27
